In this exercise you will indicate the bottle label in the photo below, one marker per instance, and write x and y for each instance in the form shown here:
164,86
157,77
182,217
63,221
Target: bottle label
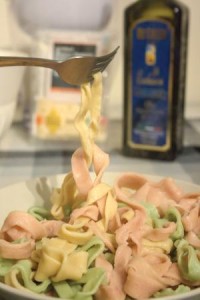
150,85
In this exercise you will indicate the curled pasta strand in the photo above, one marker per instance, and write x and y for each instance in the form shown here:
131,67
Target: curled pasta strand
157,246
116,275
20,224
73,266
91,281
16,250
188,261
81,173
39,213
90,212
172,214
172,292
20,276
73,233
193,239
94,247
102,235
81,123
59,261
190,218
95,110
97,192
132,231
84,288
62,197
5,265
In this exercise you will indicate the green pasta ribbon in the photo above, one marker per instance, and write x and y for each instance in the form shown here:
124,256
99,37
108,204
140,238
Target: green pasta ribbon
20,241
82,289
6,265
64,290
151,210
67,210
94,247
153,213
110,257
40,213
188,261
92,280
25,269
173,215
169,291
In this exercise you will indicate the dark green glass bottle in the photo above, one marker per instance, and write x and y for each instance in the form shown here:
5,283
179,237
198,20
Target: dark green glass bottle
155,41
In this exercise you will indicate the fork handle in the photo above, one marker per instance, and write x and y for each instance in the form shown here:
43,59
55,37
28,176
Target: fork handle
6,61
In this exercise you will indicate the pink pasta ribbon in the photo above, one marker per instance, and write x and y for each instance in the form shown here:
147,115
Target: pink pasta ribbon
81,172
116,275
21,225
147,275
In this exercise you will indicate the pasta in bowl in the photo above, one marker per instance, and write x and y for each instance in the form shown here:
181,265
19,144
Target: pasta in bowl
94,235
142,245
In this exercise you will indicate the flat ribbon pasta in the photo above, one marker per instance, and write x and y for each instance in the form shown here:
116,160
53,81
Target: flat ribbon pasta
59,261
19,276
137,238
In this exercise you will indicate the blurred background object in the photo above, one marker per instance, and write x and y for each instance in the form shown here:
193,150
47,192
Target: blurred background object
72,33
11,79
75,15
40,27
155,61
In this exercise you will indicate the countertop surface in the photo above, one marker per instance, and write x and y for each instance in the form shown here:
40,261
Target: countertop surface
22,157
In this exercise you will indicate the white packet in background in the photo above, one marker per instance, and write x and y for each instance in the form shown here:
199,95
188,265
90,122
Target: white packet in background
54,103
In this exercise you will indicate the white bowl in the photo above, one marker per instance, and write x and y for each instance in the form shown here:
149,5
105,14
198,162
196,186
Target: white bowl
10,84
23,195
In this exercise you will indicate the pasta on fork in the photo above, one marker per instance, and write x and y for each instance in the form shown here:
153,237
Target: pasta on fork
136,239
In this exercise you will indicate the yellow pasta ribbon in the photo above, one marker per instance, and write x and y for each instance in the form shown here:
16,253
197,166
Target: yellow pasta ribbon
95,105
128,215
159,246
73,267
81,123
64,196
90,109
59,261
87,119
50,256
74,233
110,209
97,192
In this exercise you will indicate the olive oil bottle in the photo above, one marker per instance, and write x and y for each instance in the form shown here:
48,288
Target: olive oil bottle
155,41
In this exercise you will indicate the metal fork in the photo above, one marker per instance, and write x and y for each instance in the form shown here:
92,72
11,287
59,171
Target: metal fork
75,70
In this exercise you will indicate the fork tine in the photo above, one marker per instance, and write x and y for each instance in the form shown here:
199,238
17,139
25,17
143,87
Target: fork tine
100,66
105,57
101,63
